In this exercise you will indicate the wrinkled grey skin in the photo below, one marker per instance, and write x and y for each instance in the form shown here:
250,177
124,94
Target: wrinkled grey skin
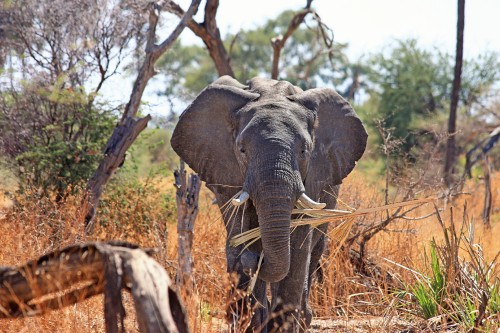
276,141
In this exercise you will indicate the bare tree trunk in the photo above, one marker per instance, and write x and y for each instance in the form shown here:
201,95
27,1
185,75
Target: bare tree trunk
452,121
488,198
353,88
129,127
187,196
68,276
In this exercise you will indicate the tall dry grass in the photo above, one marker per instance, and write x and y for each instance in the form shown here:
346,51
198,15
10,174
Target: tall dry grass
138,214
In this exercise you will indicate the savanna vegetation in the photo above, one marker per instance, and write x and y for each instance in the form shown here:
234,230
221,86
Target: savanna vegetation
429,267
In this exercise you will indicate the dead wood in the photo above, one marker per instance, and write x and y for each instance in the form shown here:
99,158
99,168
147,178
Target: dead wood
78,272
279,41
129,127
209,33
187,195
488,196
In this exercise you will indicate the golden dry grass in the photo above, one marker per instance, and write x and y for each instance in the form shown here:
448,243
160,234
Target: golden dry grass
37,226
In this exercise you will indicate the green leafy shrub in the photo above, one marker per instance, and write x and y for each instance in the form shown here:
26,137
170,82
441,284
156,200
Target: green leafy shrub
55,135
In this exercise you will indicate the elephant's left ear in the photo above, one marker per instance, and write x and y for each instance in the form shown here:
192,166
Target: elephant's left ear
340,137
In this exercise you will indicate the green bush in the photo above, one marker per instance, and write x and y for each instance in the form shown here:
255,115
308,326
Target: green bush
54,135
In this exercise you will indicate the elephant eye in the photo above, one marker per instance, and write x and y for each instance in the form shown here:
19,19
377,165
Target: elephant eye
242,150
305,150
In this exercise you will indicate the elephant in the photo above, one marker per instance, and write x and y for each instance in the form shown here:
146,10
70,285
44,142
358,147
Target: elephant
277,145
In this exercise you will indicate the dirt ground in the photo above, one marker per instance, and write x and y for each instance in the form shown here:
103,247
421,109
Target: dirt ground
362,325
368,324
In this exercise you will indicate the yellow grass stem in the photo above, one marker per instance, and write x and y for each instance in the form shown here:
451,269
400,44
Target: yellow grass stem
321,216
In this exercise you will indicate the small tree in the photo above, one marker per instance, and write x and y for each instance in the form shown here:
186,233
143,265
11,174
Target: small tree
52,135
59,54
130,126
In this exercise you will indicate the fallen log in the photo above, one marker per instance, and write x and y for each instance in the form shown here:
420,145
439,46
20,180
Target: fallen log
78,272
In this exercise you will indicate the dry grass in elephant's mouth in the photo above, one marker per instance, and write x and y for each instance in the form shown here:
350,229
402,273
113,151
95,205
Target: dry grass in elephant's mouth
317,217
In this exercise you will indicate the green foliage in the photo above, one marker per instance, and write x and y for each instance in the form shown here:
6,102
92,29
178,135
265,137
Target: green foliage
478,77
152,154
437,279
494,305
409,82
54,134
429,290
188,70
425,299
412,87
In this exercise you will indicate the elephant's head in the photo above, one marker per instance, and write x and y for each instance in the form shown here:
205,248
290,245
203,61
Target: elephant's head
277,142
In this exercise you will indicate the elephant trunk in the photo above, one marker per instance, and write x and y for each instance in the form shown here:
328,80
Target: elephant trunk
275,237
274,194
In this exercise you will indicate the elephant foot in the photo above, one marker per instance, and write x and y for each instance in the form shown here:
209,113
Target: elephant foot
287,319
308,316
245,312
247,315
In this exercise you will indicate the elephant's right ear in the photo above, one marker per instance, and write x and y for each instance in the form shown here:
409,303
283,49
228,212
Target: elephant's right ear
203,137
340,137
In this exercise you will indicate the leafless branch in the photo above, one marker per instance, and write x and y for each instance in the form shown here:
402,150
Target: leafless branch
209,33
278,42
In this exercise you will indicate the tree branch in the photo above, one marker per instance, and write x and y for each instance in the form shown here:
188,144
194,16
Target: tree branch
129,128
278,42
153,52
209,34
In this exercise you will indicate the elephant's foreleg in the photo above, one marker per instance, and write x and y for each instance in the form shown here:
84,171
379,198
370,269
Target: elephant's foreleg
318,246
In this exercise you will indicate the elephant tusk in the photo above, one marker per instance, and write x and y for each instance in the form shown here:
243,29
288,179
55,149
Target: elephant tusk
241,199
310,203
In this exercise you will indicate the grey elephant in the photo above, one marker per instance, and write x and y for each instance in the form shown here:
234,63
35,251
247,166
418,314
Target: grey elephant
276,145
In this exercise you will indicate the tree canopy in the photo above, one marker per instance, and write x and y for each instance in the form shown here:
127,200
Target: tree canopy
411,86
